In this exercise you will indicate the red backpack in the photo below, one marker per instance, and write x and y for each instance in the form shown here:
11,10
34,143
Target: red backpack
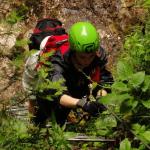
48,27
49,35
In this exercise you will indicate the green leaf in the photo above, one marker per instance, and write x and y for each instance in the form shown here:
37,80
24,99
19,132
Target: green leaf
48,97
137,79
146,3
137,128
124,70
126,105
103,132
94,84
134,104
110,121
68,135
114,98
142,147
20,128
21,42
42,72
120,87
45,56
125,145
13,17
146,136
127,116
100,124
147,57
146,103
146,85
18,61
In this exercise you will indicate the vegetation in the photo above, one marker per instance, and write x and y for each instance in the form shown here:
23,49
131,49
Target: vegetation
126,120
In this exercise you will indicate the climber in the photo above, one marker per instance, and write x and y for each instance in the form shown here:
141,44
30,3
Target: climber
82,64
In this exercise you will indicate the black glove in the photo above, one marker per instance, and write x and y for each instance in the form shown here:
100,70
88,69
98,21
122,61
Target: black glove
93,108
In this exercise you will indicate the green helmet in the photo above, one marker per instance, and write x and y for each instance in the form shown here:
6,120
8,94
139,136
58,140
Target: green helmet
83,37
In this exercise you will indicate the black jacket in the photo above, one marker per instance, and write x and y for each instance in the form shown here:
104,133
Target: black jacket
76,81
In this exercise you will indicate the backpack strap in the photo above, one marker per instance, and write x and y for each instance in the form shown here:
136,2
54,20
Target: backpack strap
43,42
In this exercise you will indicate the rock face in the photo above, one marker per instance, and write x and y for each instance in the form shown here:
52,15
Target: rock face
112,19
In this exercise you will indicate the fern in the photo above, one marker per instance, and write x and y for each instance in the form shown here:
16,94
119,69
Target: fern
13,17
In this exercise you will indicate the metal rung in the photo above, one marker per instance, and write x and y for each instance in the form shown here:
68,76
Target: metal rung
86,138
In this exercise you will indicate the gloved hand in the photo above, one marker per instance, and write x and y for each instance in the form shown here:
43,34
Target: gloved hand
93,107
